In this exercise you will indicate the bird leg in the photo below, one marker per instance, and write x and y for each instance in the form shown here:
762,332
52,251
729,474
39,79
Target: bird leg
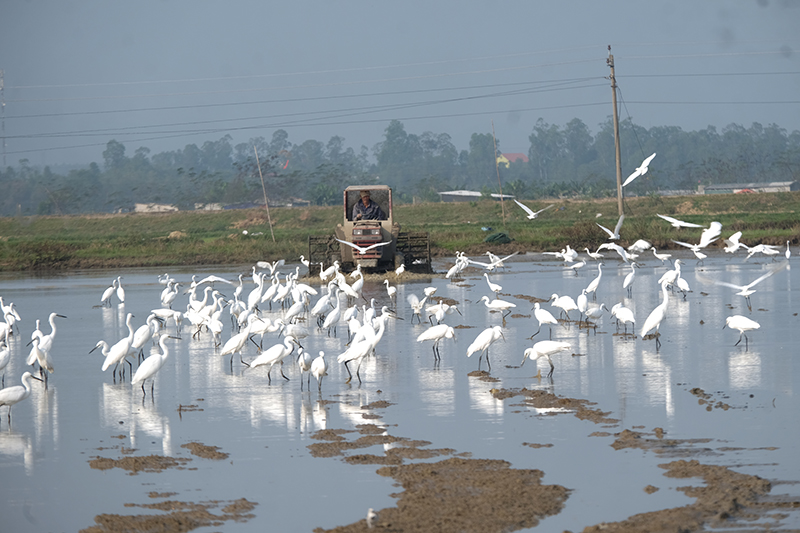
552,367
240,359
284,375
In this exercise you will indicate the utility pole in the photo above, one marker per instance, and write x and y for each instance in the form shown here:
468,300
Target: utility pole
610,62
3,116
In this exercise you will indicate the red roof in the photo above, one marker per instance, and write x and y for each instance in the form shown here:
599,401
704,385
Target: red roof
513,158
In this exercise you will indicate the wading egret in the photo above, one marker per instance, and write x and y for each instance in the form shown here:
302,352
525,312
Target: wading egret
14,395
499,305
436,334
742,324
482,342
545,349
150,366
319,369
543,316
656,317
275,355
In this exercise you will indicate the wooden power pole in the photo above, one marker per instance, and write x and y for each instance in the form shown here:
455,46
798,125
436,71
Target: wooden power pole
610,62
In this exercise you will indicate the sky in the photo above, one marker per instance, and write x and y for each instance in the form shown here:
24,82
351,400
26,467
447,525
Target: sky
163,74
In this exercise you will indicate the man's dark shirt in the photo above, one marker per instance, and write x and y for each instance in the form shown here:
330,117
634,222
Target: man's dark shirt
371,212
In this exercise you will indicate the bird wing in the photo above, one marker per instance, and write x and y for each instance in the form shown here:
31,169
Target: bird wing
376,245
636,173
768,274
680,223
646,162
619,224
710,234
545,209
357,247
610,233
686,244
527,209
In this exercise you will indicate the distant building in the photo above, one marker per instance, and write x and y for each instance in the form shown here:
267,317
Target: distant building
154,208
208,207
468,196
730,188
506,159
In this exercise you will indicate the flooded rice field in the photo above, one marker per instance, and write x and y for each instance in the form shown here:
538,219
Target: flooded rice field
698,432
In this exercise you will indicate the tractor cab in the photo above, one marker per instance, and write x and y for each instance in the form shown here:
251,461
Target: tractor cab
365,233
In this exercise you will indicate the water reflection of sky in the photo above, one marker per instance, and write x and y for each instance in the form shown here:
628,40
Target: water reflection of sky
266,427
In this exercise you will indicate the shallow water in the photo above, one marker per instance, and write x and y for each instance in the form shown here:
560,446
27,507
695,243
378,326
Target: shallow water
48,485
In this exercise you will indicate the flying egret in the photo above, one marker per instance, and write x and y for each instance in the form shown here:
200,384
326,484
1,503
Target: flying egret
613,235
436,334
530,212
482,342
656,317
545,349
744,290
494,264
742,324
150,366
766,249
499,305
710,234
594,255
416,306
679,223
319,369
275,355
363,249
543,316
617,248
641,170
14,395
732,243
695,248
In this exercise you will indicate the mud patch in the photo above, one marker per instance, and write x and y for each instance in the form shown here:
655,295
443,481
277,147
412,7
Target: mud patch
465,495
180,517
206,452
136,464
706,399
556,404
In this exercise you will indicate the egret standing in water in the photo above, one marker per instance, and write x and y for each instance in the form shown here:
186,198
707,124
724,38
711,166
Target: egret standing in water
482,342
545,349
14,395
499,305
319,369
543,316
657,316
436,334
151,366
742,324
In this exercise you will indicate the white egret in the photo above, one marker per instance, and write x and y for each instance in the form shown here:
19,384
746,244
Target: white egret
766,249
304,364
120,290
788,252
594,313
656,317
105,300
617,248
150,366
627,283
745,290
543,316
545,349
565,303
13,395
576,266
436,334
236,343
5,358
594,255
482,342
399,270
392,291
43,358
144,333
660,257
499,305
670,277
363,249
742,324
613,235
120,350
679,223
319,369
332,319
355,352
624,315
275,355
494,264
592,287
416,306
641,170
530,212
732,243
695,248
494,287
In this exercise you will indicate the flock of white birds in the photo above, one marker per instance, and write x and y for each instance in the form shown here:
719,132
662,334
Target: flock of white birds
337,308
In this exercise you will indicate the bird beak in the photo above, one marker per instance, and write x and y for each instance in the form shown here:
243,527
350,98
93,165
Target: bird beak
37,379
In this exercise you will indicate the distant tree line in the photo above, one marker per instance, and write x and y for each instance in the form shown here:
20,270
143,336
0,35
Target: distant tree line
563,161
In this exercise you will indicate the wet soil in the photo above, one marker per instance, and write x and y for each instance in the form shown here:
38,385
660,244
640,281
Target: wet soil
474,495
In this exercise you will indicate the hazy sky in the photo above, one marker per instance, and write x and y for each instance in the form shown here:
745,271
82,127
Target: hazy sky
167,73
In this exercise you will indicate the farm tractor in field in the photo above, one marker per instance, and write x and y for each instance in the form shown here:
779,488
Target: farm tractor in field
376,245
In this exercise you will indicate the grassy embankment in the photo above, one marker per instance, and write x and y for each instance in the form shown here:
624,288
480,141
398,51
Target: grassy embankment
215,238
